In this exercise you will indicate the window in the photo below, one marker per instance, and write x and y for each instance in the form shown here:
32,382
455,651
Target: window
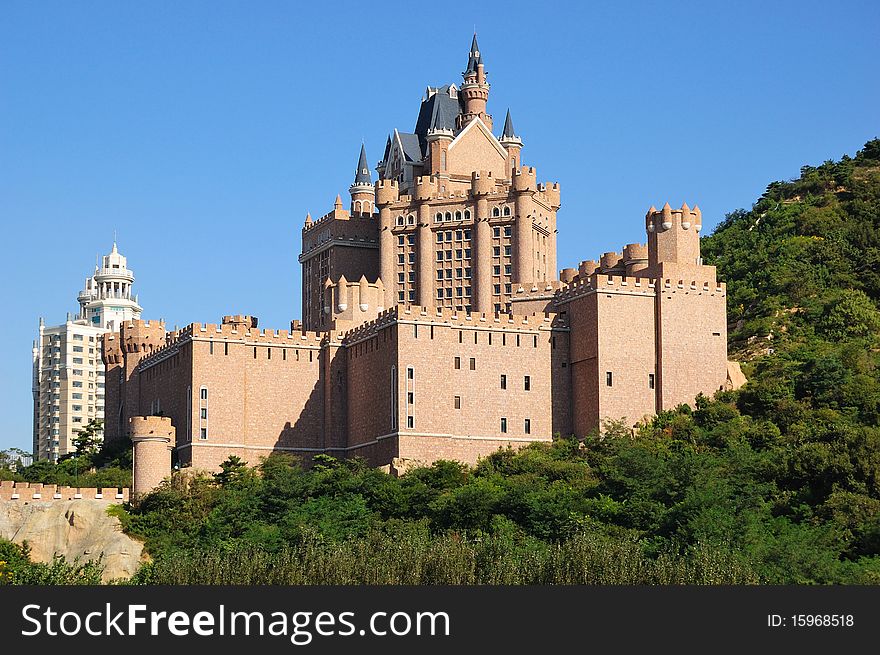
77,349
77,337
503,425
506,213
400,240
411,239
410,422
496,232
467,215
204,412
393,397
503,381
507,269
77,384
527,426
608,379
527,383
495,212
438,218
456,402
458,360
211,347
650,380
507,251
400,220
507,231
203,393
77,360
203,433
473,364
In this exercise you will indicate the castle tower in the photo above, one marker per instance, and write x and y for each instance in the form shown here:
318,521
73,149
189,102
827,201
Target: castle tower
512,144
474,90
362,194
153,438
674,242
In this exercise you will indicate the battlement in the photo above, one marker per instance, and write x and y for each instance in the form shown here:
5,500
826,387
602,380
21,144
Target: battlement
525,179
387,192
610,261
353,301
668,218
233,333
32,491
482,183
550,192
240,320
454,318
426,187
634,252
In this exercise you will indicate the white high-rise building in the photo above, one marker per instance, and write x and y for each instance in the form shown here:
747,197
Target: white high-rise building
68,372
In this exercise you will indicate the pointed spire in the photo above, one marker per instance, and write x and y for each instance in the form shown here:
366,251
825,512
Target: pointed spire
508,126
338,203
474,57
308,218
362,175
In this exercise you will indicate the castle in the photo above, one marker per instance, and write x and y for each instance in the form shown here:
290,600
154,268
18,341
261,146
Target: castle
434,324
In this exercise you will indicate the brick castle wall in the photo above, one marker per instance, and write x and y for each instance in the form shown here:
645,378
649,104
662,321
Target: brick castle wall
32,491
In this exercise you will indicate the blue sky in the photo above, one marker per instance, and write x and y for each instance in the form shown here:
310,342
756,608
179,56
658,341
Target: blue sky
202,132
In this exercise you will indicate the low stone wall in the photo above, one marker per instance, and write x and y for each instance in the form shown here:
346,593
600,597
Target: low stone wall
29,491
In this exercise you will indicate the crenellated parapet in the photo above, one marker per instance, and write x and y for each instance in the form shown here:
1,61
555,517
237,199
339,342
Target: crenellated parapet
550,193
27,492
445,316
232,332
525,180
668,218
353,302
387,192
426,188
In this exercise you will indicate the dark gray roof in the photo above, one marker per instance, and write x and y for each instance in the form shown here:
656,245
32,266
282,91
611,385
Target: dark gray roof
508,126
474,57
362,175
387,149
439,112
411,147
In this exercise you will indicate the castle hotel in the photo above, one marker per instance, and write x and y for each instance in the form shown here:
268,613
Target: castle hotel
435,324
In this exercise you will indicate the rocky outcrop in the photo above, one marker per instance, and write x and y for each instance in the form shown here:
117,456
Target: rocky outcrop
73,528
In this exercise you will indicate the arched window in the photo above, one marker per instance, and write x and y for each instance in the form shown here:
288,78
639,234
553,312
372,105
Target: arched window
507,211
438,217
400,220
495,211
443,160
458,216
467,214
410,220
448,216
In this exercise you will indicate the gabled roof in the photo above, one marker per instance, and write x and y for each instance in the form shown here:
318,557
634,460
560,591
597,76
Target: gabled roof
409,143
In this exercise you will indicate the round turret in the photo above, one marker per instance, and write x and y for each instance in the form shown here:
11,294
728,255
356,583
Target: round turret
153,439
387,192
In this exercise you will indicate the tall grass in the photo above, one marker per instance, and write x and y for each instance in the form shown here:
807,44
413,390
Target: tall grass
379,559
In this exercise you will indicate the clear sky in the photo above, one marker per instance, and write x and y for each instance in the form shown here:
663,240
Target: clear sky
202,132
